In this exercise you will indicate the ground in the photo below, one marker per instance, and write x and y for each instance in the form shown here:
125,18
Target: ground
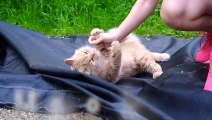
8,114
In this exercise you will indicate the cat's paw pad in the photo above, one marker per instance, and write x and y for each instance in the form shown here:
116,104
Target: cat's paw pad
157,74
165,57
96,32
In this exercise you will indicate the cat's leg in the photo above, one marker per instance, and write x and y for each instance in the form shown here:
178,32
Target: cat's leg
148,64
161,56
96,32
114,63
153,68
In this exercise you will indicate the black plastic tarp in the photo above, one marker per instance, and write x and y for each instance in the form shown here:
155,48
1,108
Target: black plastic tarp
33,77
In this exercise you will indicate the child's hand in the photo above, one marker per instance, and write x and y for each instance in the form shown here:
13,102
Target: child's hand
102,41
92,40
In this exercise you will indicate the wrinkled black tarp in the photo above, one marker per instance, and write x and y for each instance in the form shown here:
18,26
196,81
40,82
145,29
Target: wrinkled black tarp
31,66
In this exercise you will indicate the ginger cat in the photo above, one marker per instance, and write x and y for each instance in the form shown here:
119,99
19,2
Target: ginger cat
124,59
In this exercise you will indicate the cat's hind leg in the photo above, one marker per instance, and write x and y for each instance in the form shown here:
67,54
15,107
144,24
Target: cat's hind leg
161,56
149,65
153,68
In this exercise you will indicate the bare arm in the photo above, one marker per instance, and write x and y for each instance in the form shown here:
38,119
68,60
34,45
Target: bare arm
141,10
138,14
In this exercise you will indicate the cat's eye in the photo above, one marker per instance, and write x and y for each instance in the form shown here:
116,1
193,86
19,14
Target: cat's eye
86,52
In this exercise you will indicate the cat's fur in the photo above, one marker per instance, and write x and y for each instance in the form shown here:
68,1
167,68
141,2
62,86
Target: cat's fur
124,59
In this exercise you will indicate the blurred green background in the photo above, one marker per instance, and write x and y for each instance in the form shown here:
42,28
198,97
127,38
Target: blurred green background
79,17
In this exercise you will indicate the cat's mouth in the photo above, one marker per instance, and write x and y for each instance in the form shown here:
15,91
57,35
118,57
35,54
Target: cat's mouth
92,58
95,55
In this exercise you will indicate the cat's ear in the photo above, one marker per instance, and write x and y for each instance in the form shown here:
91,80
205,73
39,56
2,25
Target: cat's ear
69,61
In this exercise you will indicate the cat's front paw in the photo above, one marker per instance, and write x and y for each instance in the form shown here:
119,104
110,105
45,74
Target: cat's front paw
157,74
115,47
96,32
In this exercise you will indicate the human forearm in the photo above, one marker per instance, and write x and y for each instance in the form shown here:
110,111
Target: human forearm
138,14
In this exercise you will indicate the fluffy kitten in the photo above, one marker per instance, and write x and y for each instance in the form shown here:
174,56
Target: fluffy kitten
124,59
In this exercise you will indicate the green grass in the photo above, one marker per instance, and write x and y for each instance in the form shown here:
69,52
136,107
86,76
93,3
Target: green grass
79,17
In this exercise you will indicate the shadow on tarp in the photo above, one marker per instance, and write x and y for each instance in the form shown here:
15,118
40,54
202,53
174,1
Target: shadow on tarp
33,77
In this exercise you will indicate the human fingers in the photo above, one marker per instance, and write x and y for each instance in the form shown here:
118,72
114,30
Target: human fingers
106,37
91,38
97,41
100,46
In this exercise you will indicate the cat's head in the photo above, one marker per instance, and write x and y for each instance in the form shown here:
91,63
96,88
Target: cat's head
83,60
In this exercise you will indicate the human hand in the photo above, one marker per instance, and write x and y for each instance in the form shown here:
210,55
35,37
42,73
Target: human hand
101,41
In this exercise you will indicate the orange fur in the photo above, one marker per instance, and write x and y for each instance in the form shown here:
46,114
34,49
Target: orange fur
124,59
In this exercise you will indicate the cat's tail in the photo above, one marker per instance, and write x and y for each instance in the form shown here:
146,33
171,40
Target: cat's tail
161,56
